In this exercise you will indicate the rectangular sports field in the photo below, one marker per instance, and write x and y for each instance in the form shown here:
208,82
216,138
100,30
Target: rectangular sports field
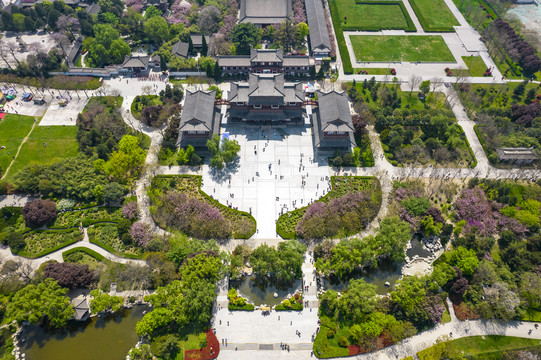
434,15
411,48
60,142
13,129
365,16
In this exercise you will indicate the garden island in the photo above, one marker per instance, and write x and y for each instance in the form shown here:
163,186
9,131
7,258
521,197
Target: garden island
272,179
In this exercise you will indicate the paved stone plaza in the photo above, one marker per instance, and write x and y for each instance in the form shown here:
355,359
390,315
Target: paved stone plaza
64,115
251,330
276,173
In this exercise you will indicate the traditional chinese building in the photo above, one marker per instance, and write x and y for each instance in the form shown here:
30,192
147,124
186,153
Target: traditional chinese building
200,119
333,127
266,98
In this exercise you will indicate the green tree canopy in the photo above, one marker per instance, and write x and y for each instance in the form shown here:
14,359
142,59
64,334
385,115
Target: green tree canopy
358,301
44,301
245,36
102,301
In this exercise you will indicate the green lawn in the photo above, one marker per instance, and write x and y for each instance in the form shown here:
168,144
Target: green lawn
61,142
429,48
13,129
475,345
434,15
476,66
445,317
368,16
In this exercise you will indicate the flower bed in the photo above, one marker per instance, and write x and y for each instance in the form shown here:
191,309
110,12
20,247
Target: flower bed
210,352
293,304
287,224
106,236
186,189
87,217
43,242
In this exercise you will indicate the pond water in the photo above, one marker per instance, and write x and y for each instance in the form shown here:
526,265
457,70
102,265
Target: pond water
260,291
389,273
97,338
417,248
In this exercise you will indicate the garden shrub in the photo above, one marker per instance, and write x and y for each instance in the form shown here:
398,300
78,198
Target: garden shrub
343,341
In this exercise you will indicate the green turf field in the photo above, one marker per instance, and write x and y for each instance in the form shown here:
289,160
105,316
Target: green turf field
60,142
412,48
434,15
13,129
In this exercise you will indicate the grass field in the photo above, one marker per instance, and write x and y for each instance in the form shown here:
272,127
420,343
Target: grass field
476,66
370,16
61,142
13,129
434,15
429,48
475,345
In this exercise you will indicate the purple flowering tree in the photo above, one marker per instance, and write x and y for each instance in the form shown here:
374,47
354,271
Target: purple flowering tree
140,233
130,210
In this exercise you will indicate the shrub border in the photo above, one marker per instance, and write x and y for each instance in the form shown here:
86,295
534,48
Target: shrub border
410,27
88,251
47,251
281,307
290,236
115,252
340,39
247,307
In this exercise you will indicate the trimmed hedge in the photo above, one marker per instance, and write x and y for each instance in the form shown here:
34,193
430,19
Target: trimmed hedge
115,252
50,250
294,307
474,162
340,39
409,28
88,251
247,307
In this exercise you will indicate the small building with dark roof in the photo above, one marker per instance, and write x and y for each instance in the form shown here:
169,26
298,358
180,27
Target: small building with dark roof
264,62
266,98
180,49
518,155
200,119
333,127
136,63
265,12
320,42
93,9
82,309
197,40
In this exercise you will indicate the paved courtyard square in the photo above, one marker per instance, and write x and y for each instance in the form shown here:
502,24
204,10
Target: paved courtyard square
276,173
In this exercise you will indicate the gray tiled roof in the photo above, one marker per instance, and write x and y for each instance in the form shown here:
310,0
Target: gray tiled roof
296,61
180,49
519,153
197,39
334,111
136,61
198,111
267,55
264,11
266,89
319,34
93,9
239,60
